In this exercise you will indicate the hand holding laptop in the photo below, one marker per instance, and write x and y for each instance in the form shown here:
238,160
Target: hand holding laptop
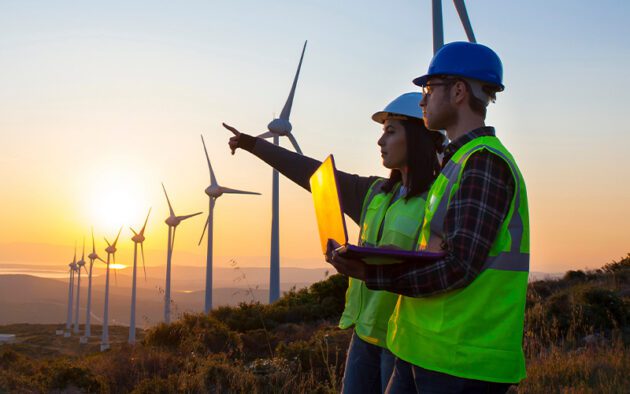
351,267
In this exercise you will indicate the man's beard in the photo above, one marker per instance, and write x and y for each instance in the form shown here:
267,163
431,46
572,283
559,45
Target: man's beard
442,120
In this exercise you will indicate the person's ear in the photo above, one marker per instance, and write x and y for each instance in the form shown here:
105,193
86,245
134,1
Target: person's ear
459,92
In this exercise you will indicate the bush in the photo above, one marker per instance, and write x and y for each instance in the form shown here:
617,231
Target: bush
323,300
194,333
62,375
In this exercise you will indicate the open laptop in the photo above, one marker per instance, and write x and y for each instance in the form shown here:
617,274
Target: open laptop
332,224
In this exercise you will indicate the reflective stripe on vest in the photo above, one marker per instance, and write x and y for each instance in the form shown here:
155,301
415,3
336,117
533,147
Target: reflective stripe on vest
474,332
369,310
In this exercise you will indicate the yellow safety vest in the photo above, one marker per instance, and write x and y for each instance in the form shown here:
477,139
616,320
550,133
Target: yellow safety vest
475,332
369,310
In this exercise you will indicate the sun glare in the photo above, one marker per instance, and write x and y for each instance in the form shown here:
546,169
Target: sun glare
117,206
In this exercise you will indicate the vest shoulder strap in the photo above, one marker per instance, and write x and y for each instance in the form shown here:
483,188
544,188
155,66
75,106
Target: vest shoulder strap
374,189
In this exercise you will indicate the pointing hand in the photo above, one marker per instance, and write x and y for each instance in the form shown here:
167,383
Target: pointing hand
234,140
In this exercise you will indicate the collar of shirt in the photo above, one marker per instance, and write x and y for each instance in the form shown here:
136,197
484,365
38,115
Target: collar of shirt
464,139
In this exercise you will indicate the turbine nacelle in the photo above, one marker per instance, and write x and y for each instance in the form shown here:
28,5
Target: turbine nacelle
173,221
81,263
111,249
93,256
138,238
281,127
215,191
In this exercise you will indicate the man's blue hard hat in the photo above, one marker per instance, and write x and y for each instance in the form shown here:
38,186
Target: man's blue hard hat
468,60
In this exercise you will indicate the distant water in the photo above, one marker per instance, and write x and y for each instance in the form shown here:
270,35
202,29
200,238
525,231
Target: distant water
51,274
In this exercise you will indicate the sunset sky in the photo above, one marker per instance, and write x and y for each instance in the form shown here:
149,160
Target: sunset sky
99,103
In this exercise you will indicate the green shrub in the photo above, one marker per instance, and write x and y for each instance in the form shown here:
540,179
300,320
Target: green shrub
62,375
194,333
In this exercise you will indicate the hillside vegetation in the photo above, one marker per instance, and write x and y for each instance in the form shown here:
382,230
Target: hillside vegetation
577,335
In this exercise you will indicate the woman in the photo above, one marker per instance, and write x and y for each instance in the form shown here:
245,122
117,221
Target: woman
389,213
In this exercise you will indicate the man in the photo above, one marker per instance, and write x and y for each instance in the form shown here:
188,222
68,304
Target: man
458,324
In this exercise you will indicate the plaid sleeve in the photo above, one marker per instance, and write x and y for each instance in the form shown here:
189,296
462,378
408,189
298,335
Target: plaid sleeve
472,221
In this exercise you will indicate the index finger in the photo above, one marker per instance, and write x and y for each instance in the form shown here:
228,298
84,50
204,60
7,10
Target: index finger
232,129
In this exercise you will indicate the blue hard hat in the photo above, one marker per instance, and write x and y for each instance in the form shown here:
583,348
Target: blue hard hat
468,60
407,104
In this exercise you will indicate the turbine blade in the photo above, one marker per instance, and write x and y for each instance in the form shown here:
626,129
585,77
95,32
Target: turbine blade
268,134
170,208
189,216
83,255
460,6
145,222
132,230
294,142
85,269
235,191
116,240
143,266
213,179
106,241
438,29
204,230
286,111
93,244
98,258
74,260
115,275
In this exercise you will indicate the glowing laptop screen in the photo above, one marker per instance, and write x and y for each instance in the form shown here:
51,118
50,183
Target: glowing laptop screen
330,221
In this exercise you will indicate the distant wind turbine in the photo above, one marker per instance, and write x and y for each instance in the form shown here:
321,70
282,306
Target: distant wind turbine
93,257
277,128
172,221
138,238
73,267
111,252
438,28
80,264
213,191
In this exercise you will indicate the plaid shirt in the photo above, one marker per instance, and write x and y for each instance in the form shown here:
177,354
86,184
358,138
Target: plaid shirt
472,221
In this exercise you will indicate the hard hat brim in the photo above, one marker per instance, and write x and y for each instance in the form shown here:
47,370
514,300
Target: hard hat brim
380,116
421,81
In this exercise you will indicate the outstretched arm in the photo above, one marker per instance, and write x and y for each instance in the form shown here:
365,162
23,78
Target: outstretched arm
299,169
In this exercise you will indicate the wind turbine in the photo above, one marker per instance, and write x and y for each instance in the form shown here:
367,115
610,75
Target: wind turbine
93,257
80,264
73,267
172,221
111,252
438,28
277,128
138,238
213,191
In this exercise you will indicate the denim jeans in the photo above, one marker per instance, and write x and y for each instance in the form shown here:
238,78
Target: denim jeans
368,368
409,378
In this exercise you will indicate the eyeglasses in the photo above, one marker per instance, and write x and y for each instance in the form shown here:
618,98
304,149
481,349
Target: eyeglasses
427,90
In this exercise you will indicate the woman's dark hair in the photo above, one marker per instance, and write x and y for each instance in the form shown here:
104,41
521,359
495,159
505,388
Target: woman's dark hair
422,162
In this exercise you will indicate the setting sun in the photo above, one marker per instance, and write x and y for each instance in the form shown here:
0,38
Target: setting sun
120,204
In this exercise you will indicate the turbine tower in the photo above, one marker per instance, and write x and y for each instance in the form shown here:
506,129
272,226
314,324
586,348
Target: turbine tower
438,28
213,191
73,267
277,128
138,238
172,221
93,257
80,264
111,252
